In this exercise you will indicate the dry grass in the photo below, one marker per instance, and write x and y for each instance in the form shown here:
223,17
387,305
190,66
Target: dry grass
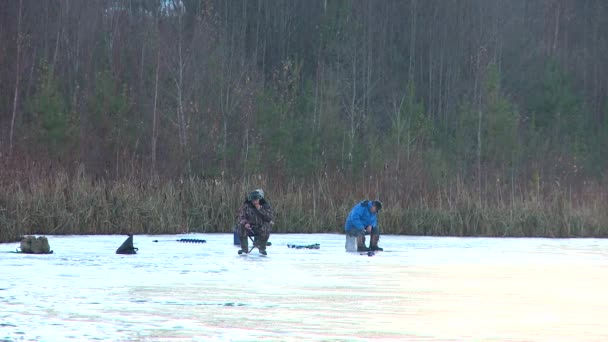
77,205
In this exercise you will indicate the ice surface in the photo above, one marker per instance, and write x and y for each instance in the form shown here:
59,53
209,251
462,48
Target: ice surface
419,289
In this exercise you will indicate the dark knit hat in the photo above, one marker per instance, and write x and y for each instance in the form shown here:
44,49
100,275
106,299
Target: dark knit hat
254,195
378,205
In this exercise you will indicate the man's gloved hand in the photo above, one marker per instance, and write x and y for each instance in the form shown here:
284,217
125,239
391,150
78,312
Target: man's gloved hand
368,229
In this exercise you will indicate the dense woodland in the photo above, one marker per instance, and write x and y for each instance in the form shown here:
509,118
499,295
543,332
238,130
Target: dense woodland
466,117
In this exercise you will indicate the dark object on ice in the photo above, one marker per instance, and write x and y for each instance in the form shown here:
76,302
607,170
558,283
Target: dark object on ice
127,247
184,240
313,246
35,245
192,240
370,253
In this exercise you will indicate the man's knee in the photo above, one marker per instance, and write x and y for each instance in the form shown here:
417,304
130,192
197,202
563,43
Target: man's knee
242,231
264,231
375,231
355,232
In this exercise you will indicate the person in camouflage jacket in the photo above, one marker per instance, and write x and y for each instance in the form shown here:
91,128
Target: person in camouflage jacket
255,218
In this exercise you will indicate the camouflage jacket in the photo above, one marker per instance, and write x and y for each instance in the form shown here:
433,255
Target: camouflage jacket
249,214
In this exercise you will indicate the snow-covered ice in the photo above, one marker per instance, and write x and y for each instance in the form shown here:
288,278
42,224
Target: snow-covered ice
418,289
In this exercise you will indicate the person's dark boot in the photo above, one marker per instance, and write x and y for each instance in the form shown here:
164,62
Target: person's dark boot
261,245
373,243
244,246
361,244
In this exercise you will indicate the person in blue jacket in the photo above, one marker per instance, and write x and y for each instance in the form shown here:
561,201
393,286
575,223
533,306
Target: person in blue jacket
362,220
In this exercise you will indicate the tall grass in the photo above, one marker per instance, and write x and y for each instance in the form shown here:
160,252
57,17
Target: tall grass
60,204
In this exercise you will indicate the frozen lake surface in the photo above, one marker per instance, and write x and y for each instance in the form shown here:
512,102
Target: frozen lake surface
419,289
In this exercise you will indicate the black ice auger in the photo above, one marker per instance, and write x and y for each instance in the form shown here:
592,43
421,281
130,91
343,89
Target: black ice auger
185,240
313,246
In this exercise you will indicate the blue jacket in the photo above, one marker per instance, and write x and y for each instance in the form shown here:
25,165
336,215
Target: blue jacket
361,216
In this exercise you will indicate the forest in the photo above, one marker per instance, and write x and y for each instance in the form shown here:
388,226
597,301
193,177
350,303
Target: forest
465,117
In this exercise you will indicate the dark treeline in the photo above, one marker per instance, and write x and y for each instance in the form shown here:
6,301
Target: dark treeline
410,101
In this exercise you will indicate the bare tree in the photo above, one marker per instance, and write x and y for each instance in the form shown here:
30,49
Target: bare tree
17,78
179,79
155,112
399,123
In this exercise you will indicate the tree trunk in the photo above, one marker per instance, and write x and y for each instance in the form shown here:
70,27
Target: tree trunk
479,87
155,113
556,28
412,41
479,154
352,111
181,116
369,56
180,84
410,76
17,80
